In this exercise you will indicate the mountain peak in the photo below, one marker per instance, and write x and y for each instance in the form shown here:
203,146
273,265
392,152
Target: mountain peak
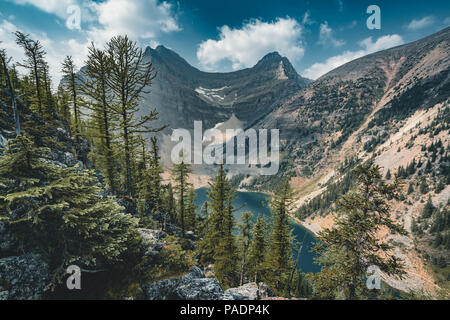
271,57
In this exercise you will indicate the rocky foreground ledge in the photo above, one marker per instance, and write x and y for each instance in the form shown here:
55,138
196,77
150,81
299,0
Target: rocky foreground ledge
25,277
195,286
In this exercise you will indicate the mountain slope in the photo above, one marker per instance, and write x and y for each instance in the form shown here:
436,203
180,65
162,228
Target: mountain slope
391,107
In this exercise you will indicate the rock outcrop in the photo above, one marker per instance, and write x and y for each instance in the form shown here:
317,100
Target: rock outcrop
251,291
192,286
23,277
195,286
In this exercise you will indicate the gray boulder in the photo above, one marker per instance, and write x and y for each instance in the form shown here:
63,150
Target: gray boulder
251,291
193,286
23,277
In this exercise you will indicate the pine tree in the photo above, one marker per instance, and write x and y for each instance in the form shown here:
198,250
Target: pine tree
94,86
34,59
351,246
388,175
428,208
218,195
423,187
154,174
180,174
71,85
59,212
410,188
130,77
191,217
280,251
245,229
257,250
225,255
4,62
169,203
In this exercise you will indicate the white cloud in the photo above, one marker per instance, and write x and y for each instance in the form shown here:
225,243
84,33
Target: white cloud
447,21
58,7
245,46
418,24
56,51
138,19
326,37
382,43
307,19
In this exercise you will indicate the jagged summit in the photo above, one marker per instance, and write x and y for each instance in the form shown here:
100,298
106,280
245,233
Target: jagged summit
182,93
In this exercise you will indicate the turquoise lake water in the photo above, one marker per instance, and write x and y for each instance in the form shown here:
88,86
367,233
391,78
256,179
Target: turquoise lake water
254,202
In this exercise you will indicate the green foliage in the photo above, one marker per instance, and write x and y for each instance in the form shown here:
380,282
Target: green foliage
279,258
351,246
244,241
258,250
180,174
173,260
60,212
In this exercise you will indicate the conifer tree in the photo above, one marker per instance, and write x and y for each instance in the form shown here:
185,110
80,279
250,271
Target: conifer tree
180,174
130,77
4,64
428,208
94,86
225,255
280,252
34,59
191,217
388,175
59,211
169,203
258,249
71,84
351,246
218,195
410,188
155,170
245,229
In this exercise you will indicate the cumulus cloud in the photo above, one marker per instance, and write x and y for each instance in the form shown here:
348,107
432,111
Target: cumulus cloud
245,46
368,47
58,7
417,24
326,37
138,19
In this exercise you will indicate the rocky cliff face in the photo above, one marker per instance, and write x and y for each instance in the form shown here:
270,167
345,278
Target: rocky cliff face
182,93
382,87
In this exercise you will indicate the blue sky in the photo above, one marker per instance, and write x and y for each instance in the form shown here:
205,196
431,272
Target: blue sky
226,35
